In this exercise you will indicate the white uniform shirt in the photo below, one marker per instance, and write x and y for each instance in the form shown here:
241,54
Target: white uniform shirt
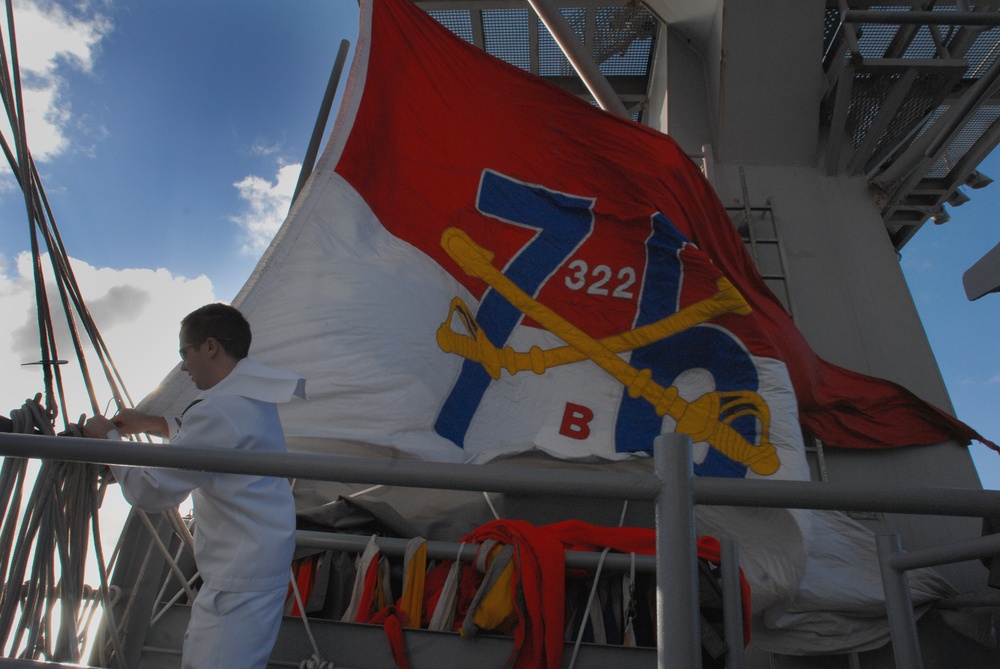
244,525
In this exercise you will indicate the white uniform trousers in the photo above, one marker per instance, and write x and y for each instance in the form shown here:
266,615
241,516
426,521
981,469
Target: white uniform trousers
232,630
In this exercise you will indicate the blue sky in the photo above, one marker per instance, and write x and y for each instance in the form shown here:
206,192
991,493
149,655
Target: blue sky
963,334
169,136
184,100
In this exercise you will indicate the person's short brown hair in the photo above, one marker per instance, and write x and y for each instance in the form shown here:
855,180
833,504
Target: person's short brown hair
221,322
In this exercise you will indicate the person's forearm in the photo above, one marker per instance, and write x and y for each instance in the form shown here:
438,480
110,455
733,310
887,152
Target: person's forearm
130,421
159,427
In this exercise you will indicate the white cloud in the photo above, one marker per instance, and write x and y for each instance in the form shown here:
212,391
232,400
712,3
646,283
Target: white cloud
136,310
51,37
262,148
267,205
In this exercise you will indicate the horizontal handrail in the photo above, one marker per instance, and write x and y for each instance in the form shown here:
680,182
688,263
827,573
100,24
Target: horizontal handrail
310,466
920,500
930,18
972,549
670,486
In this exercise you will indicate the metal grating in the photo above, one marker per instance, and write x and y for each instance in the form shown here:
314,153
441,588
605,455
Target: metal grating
922,45
981,121
936,77
919,103
551,60
983,52
870,91
831,26
624,37
621,40
506,36
635,115
459,23
875,39
932,118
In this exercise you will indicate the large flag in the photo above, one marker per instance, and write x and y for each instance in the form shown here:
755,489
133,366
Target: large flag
578,284
483,265
503,267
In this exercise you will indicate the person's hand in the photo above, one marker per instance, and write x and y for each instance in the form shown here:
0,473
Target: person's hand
130,421
97,427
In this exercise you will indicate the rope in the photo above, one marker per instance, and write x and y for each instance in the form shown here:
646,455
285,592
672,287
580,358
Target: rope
316,661
628,631
109,596
173,600
593,591
177,525
48,542
46,608
489,503
129,603
586,610
174,567
48,539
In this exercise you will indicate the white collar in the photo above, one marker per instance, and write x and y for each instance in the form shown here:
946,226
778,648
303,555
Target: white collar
255,381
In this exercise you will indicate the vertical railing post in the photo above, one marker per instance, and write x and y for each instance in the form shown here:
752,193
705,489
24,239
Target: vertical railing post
678,633
732,602
899,605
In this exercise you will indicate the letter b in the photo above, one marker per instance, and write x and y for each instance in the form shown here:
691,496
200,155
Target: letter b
576,421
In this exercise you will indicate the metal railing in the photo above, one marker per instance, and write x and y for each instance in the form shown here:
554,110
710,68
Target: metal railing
672,487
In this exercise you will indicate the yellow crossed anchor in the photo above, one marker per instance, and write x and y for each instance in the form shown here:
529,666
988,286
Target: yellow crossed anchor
706,419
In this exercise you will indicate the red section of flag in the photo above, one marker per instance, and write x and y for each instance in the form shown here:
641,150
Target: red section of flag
437,111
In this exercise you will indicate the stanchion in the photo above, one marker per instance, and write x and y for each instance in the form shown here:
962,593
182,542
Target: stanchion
899,605
732,603
678,634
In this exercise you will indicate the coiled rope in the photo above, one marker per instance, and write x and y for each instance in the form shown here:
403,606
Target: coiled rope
43,547
44,535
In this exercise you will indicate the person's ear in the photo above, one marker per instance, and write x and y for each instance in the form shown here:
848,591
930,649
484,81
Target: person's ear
212,345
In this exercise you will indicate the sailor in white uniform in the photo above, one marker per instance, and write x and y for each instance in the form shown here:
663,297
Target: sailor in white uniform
244,525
